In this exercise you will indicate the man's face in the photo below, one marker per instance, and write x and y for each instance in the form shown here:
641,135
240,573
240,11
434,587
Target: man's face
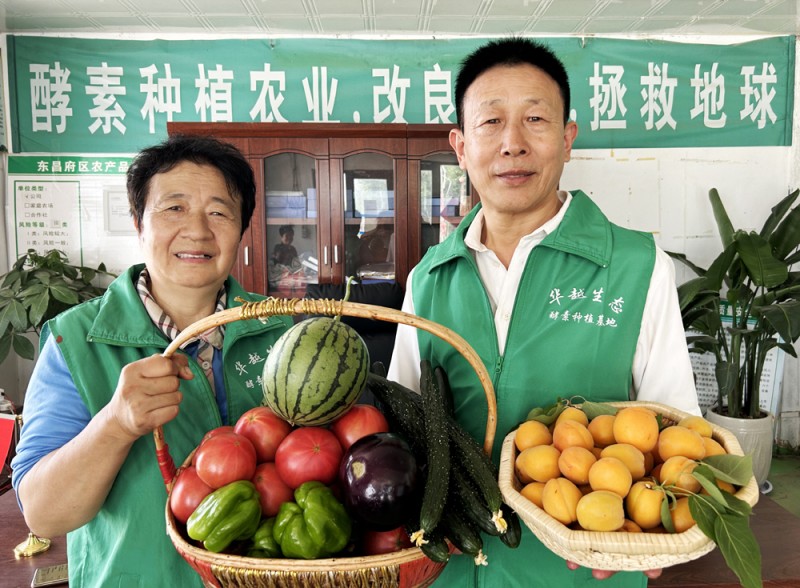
190,230
515,142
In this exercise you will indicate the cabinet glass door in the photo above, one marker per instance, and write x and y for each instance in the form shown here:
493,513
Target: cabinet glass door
369,217
444,198
291,208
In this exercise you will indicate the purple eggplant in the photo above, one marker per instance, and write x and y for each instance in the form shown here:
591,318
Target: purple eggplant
379,481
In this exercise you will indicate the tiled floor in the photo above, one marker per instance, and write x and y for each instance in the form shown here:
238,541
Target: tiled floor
784,475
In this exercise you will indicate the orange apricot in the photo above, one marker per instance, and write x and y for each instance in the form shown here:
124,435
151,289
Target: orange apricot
569,433
532,433
636,426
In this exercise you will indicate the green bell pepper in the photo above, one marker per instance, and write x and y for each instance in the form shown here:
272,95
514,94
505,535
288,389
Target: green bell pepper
264,544
315,525
228,514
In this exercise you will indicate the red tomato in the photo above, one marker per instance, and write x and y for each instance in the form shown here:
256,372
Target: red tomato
308,453
376,542
211,433
265,430
272,489
217,431
225,458
361,420
187,492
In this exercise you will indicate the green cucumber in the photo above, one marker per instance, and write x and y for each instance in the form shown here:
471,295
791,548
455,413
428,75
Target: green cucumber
446,392
378,369
464,496
464,536
480,469
437,442
513,534
436,548
403,411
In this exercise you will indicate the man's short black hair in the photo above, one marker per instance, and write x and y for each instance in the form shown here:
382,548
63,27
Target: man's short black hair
283,229
509,52
165,156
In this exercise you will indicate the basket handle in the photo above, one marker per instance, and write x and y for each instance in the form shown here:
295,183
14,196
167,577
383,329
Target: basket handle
294,306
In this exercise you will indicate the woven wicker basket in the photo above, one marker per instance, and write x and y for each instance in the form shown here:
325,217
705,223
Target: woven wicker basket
401,569
618,550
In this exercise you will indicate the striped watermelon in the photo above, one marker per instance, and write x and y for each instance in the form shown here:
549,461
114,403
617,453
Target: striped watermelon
315,371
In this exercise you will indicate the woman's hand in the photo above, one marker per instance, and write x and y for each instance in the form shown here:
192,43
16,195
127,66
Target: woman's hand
605,574
147,394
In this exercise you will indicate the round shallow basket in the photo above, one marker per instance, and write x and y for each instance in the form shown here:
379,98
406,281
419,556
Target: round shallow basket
617,550
401,569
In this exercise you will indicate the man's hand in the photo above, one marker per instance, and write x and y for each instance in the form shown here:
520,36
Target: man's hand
605,574
147,394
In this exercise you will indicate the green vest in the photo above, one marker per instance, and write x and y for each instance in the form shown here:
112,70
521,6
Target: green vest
573,331
125,545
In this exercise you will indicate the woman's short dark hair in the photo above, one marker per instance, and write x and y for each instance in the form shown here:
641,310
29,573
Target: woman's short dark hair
509,52
163,157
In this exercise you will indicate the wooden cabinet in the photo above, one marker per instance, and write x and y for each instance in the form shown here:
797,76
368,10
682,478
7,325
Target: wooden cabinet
337,200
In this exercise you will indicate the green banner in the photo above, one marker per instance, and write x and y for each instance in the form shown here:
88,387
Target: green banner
76,95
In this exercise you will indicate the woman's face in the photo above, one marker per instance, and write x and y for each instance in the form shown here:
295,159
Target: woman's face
190,230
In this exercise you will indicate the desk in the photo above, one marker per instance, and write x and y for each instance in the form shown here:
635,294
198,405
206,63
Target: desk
18,573
776,529
778,534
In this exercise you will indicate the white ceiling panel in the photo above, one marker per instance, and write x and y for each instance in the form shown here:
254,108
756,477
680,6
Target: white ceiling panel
400,17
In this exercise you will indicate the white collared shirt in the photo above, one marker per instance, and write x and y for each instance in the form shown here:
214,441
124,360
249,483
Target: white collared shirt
662,371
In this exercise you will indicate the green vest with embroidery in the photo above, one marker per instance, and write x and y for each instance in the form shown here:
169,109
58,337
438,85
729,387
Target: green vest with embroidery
125,545
573,331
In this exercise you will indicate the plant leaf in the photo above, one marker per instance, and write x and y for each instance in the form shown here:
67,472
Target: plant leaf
739,548
735,469
13,313
595,409
724,225
788,348
704,515
62,292
778,212
786,237
38,307
666,518
688,291
704,475
721,267
793,258
726,374
684,260
548,414
762,266
737,505
783,317
22,346
32,290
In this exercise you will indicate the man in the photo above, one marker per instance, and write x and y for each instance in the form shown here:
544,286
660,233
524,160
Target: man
556,300
86,462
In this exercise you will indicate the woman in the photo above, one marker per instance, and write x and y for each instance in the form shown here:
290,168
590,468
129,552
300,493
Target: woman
86,461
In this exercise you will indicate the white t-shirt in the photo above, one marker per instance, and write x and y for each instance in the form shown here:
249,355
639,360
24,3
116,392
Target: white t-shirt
662,371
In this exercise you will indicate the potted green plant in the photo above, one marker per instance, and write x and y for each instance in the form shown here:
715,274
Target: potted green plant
37,288
750,280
